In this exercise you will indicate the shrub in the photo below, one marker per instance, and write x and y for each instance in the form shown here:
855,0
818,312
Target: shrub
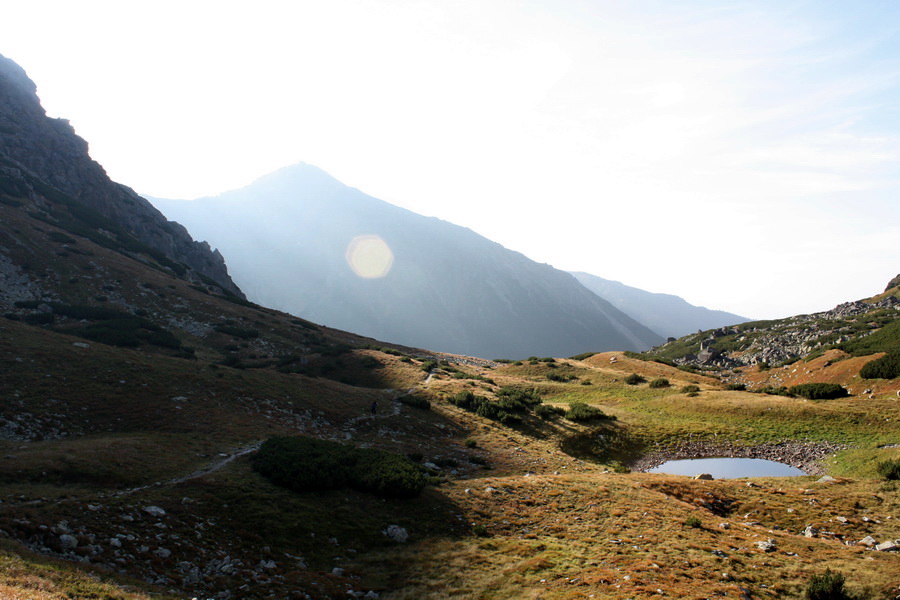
693,522
579,411
661,382
470,443
306,464
480,531
886,367
428,365
547,412
736,387
818,391
634,379
889,469
244,334
583,356
828,586
415,401
690,389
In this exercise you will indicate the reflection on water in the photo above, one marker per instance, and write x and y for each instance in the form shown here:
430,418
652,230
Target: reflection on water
728,468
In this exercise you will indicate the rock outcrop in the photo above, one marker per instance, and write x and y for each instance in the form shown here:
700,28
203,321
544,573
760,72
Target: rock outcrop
43,159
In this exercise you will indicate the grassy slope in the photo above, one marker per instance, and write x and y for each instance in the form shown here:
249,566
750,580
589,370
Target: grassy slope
122,427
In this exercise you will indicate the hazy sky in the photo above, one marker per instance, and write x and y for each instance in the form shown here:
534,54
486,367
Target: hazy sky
742,155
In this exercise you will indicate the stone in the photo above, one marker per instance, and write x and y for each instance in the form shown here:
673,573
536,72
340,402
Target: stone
337,572
115,543
888,546
81,345
825,479
154,511
68,542
162,552
704,477
396,533
810,532
725,525
868,541
767,546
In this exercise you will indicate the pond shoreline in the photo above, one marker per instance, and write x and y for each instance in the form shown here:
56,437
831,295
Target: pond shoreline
806,456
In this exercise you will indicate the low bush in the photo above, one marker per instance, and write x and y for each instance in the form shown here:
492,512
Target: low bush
818,391
415,401
886,367
548,412
634,379
827,586
690,389
736,387
661,382
244,334
579,411
306,464
889,469
694,522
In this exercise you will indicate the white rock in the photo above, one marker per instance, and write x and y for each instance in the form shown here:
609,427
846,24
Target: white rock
888,546
337,572
68,542
396,533
154,511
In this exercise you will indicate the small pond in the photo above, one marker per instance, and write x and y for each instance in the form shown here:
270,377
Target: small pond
727,468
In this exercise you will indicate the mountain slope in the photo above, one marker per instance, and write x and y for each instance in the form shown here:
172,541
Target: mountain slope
40,156
665,314
287,237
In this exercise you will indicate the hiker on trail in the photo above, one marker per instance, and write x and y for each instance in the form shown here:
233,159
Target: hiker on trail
374,406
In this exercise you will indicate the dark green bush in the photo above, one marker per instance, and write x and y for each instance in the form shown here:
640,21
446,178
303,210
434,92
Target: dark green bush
693,522
736,387
40,318
579,411
661,382
415,401
470,443
238,332
306,464
818,391
634,379
886,367
828,586
889,469
547,412
583,356
690,389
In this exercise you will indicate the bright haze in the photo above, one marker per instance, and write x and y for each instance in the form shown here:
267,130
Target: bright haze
742,155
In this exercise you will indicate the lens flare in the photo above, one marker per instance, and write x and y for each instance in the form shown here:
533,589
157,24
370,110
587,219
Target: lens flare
369,256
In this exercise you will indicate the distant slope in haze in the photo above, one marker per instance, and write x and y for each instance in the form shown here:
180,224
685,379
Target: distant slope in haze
286,237
665,314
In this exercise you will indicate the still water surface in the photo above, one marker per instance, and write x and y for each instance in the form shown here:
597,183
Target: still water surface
728,468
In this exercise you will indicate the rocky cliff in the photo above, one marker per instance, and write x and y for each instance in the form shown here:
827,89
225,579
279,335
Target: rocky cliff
43,160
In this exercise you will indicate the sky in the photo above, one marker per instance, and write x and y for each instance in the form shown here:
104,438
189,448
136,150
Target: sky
742,155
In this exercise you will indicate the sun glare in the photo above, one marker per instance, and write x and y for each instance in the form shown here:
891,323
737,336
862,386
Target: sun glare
369,256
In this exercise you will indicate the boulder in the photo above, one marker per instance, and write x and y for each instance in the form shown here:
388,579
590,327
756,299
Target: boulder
396,533
888,546
68,542
704,477
154,511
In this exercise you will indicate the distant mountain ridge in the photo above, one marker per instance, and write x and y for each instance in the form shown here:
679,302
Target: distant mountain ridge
668,315
449,289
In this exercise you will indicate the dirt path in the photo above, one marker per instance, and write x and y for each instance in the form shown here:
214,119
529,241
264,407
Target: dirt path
210,468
